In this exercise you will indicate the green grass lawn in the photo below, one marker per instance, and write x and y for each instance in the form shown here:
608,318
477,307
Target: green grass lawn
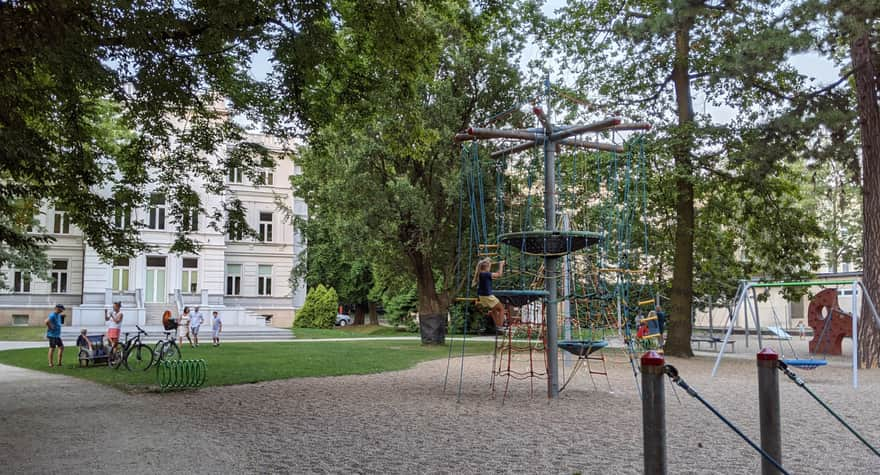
240,363
357,331
22,333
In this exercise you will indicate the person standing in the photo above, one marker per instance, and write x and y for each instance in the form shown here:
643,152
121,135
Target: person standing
195,322
216,328
183,327
114,323
53,334
802,329
661,323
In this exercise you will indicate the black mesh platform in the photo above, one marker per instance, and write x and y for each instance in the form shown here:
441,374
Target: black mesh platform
518,298
550,243
582,348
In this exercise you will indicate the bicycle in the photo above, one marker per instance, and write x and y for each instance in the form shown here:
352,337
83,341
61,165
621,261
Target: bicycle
135,354
166,349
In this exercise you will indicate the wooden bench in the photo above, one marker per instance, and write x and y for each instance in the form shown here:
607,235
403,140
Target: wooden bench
713,342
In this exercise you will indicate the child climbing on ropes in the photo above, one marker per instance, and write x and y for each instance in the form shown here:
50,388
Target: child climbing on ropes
483,276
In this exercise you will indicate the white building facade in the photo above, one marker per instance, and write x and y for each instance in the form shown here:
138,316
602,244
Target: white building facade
246,279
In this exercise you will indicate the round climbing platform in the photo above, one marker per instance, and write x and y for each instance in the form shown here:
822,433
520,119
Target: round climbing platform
582,348
805,364
550,243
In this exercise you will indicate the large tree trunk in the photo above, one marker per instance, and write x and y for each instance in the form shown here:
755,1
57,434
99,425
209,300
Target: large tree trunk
359,314
679,341
374,315
869,124
432,317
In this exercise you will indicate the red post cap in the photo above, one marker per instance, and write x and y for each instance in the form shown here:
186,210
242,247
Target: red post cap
767,354
652,358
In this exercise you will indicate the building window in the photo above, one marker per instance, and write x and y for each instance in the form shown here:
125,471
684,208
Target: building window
235,232
122,217
59,277
266,227
20,320
21,282
233,279
157,211
190,281
120,274
267,173
190,221
155,291
264,280
235,175
61,222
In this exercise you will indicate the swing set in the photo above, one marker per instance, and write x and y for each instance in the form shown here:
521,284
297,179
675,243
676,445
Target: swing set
746,300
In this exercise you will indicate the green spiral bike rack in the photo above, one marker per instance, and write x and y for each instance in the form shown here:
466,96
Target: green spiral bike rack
181,374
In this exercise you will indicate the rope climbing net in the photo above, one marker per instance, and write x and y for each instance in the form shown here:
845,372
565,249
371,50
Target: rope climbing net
576,250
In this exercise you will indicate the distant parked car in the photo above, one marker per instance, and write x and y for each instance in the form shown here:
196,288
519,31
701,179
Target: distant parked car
343,320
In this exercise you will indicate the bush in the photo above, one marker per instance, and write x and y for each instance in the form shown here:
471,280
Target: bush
319,310
399,308
477,321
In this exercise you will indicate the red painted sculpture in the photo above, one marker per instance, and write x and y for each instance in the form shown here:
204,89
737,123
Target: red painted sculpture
825,310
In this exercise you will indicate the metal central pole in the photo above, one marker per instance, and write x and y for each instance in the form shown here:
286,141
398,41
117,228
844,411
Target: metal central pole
566,293
550,262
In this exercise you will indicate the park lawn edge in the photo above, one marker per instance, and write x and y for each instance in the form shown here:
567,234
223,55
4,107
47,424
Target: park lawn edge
251,363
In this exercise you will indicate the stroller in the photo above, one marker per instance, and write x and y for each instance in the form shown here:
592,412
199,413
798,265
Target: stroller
98,354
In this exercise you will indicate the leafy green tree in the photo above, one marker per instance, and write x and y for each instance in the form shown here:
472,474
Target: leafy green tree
330,260
403,78
649,60
76,77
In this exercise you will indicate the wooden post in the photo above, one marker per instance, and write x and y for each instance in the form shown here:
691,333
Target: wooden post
653,413
769,409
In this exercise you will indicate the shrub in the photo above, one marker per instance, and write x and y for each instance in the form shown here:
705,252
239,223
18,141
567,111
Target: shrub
477,321
319,310
399,308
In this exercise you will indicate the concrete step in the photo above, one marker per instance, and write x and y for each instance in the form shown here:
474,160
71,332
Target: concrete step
157,331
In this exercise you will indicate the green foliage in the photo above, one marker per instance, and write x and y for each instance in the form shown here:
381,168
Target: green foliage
76,78
400,307
319,309
477,321
380,167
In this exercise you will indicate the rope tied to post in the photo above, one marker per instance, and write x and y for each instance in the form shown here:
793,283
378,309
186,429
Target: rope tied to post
801,383
676,378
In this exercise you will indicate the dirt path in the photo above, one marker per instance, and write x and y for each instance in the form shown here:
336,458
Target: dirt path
403,423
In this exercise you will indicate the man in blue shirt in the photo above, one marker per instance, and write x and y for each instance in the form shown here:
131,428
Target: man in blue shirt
53,334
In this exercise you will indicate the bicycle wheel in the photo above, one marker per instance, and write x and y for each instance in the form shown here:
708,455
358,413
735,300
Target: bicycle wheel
116,355
139,357
171,351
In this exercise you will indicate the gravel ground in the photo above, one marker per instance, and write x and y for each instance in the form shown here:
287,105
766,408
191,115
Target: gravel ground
403,422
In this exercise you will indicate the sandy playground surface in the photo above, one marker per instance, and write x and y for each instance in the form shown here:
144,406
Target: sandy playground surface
403,423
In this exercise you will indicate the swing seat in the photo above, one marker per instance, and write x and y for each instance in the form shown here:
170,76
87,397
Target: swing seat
805,364
582,348
550,243
518,298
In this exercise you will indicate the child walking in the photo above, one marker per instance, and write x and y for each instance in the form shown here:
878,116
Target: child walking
483,276
216,328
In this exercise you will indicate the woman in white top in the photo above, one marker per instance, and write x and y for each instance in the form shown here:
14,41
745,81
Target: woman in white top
183,327
114,322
